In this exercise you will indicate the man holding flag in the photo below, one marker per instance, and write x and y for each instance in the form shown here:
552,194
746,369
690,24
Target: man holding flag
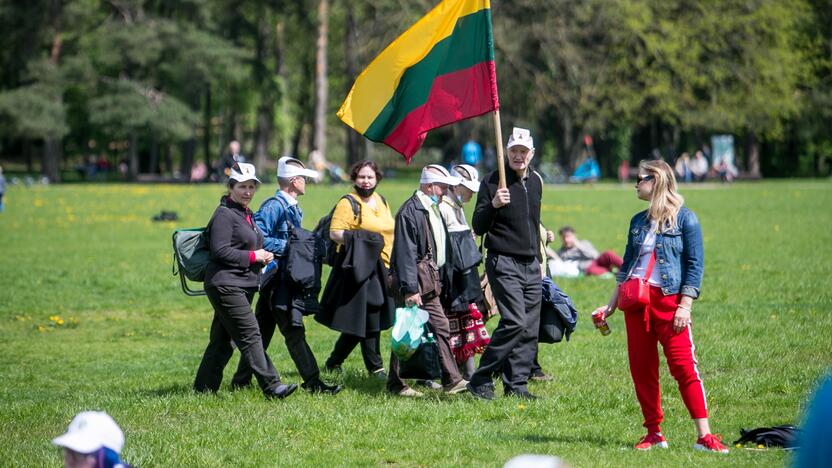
510,215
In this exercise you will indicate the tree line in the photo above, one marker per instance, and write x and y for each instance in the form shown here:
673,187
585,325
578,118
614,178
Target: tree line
162,84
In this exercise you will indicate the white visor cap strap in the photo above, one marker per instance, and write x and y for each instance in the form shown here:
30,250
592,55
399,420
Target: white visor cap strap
242,172
436,174
289,167
468,176
520,137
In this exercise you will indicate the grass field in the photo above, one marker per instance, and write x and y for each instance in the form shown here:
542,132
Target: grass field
91,318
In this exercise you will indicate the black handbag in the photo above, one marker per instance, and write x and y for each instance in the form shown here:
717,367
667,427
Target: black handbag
424,364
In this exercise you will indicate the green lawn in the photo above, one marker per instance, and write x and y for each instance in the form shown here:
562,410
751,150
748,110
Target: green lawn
130,343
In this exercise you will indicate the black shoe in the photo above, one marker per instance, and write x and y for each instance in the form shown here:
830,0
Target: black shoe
524,395
379,375
319,386
281,392
540,376
484,392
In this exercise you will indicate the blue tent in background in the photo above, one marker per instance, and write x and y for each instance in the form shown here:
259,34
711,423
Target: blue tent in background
588,171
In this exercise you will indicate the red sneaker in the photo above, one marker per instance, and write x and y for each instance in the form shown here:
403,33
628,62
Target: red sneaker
710,443
652,439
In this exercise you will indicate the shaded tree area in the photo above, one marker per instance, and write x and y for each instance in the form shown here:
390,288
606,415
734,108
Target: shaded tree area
158,86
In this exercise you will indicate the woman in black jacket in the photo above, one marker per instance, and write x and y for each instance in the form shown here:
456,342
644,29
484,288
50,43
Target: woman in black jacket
231,279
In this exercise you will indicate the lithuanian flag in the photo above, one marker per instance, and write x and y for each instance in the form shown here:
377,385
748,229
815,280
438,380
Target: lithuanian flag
439,71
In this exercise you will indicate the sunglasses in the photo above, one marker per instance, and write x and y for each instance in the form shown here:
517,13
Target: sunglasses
641,179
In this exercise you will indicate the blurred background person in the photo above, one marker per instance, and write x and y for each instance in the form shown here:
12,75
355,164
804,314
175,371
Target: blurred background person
584,254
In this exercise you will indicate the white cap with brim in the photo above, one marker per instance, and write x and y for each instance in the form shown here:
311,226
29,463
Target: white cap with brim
436,174
89,431
242,172
296,169
468,176
520,137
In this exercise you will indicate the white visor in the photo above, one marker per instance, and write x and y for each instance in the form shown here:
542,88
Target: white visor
439,175
468,176
286,170
242,172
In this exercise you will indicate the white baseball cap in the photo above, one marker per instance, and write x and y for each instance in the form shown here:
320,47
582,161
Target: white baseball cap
89,431
520,137
468,176
242,172
443,177
296,169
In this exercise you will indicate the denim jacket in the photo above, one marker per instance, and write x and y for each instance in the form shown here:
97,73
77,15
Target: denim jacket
680,255
274,218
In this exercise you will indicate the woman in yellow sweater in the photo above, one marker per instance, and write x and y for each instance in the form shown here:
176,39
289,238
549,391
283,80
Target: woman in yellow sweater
358,312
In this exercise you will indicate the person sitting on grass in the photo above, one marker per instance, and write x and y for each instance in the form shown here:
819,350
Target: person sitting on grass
92,440
585,256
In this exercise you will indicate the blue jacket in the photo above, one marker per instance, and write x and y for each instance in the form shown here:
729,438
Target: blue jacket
275,218
680,257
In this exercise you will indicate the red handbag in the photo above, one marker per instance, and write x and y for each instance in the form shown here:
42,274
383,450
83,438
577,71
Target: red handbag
634,293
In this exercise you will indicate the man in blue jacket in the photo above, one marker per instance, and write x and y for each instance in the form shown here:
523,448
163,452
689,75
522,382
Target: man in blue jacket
276,218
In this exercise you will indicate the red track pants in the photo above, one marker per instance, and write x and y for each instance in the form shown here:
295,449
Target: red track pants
646,328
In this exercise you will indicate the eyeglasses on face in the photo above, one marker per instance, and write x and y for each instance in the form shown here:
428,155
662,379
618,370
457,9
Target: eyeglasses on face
641,179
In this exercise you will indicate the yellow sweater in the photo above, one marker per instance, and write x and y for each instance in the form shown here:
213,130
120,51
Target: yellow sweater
376,219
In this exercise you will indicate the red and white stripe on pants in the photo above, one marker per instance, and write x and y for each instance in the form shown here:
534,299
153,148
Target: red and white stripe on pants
645,329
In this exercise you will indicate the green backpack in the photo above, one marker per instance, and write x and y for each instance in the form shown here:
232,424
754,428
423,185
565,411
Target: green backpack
190,257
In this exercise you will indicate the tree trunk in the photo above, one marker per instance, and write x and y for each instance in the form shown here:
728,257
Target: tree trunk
153,167
567,156
133,157
262,136
53,152
27,153
753,156
188,150
53,149
282,101
206,132
350,46
321,78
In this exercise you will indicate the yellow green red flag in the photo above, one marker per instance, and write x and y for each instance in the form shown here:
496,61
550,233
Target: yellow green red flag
439,71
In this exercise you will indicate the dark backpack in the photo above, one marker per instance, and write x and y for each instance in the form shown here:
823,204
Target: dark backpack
190,257
785,436
322,229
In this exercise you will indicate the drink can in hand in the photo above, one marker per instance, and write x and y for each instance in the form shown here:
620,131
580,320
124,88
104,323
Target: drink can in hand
600,322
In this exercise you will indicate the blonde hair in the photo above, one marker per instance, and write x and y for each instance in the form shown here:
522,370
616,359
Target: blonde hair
665,201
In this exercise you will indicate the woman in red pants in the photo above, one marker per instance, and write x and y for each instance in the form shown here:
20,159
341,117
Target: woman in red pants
664,253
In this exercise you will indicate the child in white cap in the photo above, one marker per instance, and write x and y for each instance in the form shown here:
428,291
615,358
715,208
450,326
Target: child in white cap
92,440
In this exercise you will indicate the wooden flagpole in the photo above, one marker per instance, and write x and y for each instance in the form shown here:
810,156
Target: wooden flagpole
501,168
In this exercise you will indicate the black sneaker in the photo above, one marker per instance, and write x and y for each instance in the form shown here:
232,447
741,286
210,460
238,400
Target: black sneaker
281,392
523,395
379,374
484,392
319,386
